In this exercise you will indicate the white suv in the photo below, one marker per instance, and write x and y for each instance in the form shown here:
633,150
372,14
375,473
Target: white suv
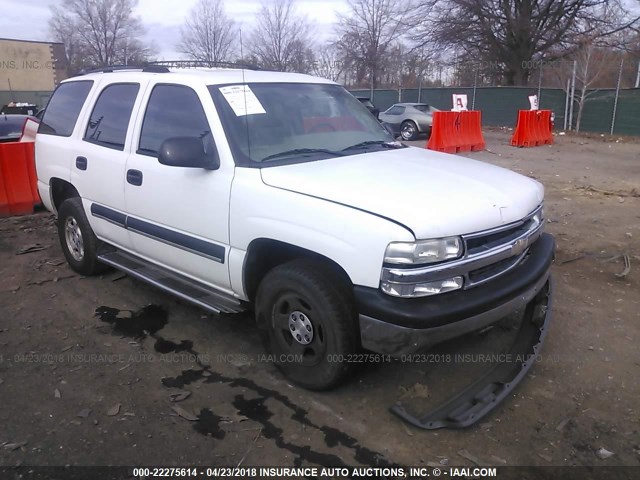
281,193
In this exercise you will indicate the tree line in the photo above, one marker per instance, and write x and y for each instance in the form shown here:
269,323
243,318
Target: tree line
380,43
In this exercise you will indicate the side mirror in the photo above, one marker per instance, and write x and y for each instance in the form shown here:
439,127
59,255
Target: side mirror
187,152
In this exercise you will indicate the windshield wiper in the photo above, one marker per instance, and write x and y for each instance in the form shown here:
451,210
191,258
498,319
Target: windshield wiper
301,151
382,143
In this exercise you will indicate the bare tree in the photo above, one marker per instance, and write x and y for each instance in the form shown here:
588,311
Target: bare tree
596,55
368,33
99,32
209,35
63,29
281,39
509,33
328,63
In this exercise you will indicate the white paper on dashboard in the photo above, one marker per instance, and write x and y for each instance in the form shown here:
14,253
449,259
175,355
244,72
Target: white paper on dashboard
242,100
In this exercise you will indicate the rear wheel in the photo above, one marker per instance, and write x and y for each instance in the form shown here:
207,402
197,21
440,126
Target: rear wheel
77,239
308,324
408,131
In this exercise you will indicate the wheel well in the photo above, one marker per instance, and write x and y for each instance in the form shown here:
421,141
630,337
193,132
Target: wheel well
60,191
264,254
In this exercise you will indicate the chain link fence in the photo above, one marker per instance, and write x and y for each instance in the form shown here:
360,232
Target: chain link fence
604,88
611,105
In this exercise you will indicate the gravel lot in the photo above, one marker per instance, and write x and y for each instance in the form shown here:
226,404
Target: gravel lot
88,366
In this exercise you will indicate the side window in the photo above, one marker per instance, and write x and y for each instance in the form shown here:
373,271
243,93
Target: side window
64,107
395,110
172,111
110,117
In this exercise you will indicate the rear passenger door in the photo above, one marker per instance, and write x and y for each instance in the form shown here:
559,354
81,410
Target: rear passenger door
57,140
179,216
98,172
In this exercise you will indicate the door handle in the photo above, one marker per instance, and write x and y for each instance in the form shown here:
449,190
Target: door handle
81,163
134,177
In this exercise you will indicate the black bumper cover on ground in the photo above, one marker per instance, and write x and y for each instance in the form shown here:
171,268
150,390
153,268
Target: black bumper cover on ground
479,398
396,326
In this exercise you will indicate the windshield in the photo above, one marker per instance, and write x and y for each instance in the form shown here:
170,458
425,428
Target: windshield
271,124
422,108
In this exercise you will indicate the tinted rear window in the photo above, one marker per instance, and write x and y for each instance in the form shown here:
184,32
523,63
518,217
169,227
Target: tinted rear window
64,107
110,117
11,127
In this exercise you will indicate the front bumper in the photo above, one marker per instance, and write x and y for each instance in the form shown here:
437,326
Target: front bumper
476,400
400,326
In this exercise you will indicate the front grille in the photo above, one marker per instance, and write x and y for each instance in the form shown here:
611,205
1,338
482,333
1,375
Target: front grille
484,274
488,254
503,239
482,243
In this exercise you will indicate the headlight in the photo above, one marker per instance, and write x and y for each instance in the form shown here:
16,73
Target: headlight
538,217
423,251
408,290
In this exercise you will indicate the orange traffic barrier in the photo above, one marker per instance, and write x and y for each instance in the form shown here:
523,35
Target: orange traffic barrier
18,180
453,132
533,129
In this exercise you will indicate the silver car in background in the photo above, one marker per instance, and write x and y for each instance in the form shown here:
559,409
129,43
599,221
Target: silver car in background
409,120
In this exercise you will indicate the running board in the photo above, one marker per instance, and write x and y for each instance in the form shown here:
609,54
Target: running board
179,285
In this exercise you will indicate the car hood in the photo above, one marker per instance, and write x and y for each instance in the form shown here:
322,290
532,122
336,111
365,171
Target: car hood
432,194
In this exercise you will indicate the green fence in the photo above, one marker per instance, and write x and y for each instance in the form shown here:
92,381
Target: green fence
500,105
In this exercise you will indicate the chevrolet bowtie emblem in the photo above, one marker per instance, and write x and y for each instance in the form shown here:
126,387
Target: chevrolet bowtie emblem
519,246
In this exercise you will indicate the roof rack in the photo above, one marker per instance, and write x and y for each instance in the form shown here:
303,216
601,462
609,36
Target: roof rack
202,64
115,68
162,66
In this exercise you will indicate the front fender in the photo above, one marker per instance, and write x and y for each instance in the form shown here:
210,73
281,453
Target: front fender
354,239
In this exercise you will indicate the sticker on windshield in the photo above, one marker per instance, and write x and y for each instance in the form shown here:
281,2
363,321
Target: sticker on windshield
242,100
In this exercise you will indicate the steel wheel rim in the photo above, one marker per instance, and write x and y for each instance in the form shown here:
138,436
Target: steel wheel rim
73,237
408,131
291,310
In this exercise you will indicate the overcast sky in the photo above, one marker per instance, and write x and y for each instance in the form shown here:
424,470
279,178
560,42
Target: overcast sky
27,19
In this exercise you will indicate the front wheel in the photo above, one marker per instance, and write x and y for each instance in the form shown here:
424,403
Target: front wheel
408,131
77,239
308,323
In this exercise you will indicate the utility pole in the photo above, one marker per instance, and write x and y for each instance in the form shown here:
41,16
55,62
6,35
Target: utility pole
615,102
372,81
573,91
539,85
13,99
566,103
475,85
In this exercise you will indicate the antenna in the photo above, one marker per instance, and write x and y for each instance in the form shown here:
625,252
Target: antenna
244,93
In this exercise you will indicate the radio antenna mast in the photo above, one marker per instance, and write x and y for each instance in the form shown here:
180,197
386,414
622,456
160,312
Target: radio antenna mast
244,93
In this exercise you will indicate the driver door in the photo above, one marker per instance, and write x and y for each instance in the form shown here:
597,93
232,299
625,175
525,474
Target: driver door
178,216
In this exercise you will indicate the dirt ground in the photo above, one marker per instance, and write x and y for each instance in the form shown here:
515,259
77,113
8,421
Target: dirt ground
95,371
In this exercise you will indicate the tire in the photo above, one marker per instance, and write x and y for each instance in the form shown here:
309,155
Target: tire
408,131
77,239
309,294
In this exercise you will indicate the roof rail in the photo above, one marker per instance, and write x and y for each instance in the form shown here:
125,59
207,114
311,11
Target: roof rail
202,64
114,68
